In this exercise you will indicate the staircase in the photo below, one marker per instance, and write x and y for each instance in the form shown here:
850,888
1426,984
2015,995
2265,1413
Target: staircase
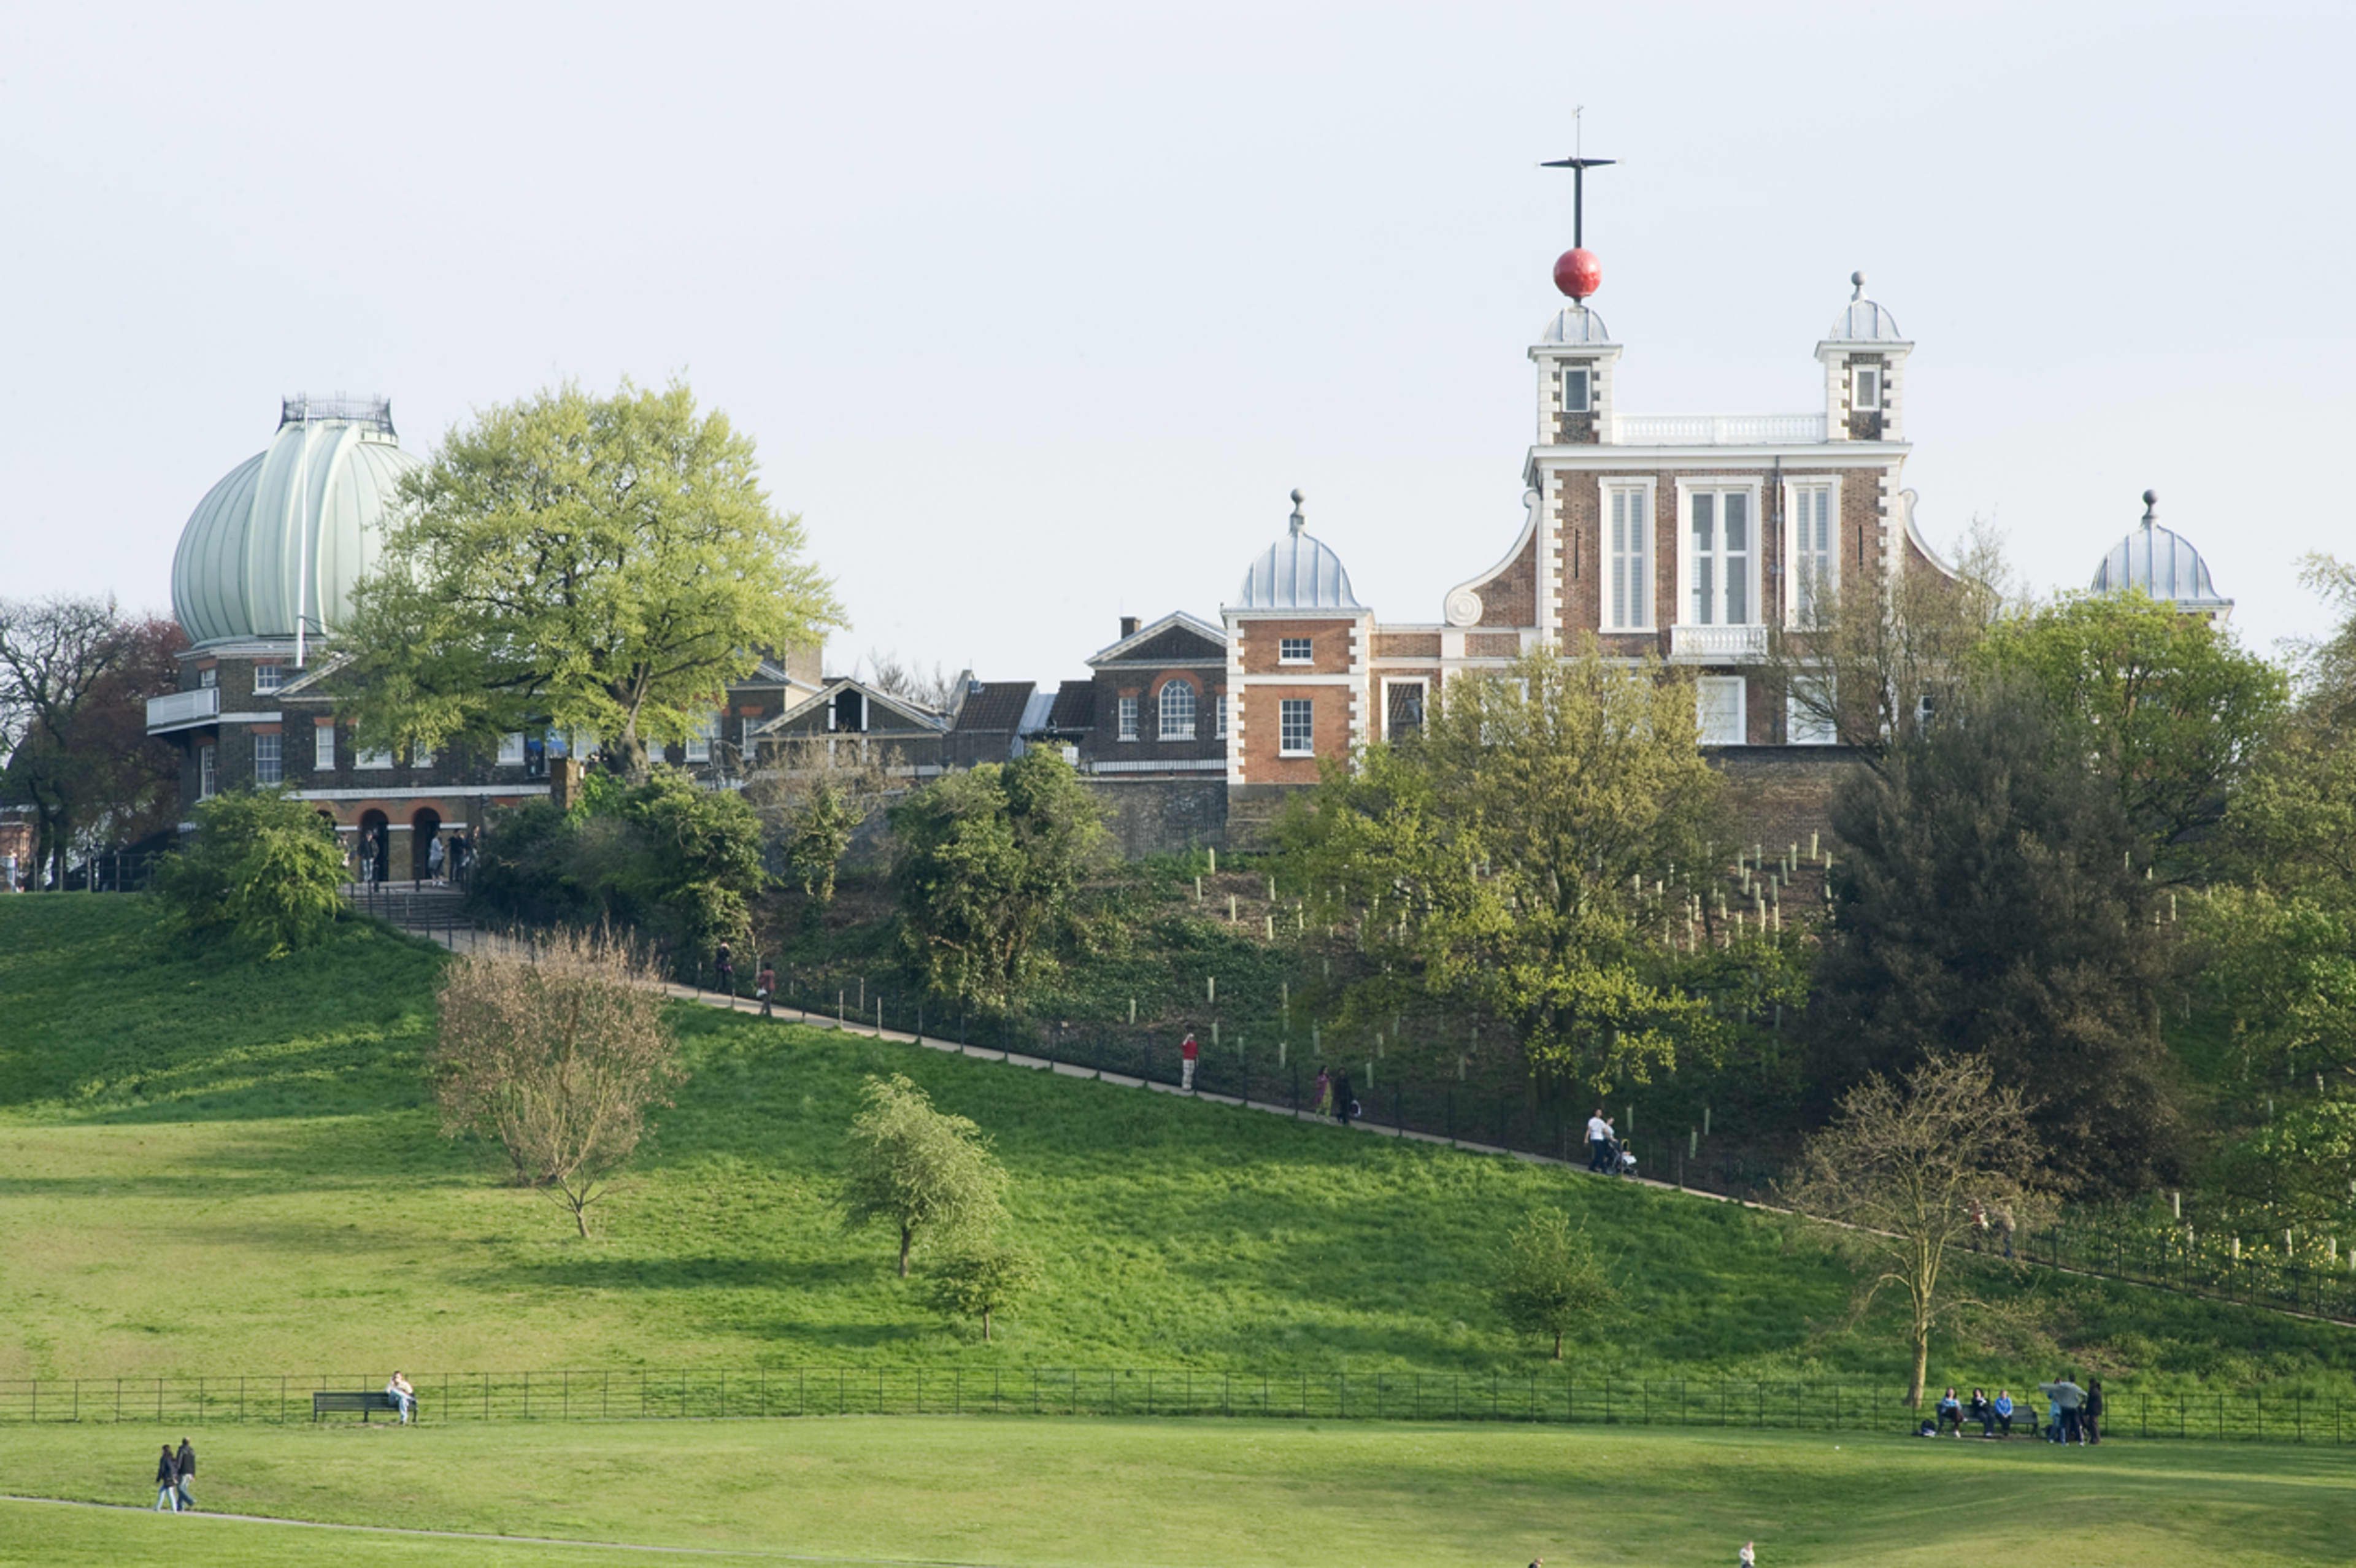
411,906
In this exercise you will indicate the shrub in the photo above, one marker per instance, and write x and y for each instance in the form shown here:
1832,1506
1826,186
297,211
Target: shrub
262,873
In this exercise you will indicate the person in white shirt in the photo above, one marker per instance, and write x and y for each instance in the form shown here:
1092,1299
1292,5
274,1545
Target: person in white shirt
1748,1557
1598,1142
405,1396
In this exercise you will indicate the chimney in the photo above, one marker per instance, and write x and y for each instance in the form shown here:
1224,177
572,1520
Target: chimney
1128,626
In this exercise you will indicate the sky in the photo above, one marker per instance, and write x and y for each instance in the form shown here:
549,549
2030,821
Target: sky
1036,313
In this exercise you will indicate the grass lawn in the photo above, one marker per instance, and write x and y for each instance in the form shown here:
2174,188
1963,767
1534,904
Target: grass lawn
1210,1492
209,1167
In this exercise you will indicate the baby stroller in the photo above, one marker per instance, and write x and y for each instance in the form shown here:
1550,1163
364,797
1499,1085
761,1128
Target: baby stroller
1623,1157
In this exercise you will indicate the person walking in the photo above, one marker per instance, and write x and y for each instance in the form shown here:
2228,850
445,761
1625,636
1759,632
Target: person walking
723,974
167,1483
1324,1094
2090,1415
184,1463
435,857
2004,1410
1598,1142
764,985
1748,1557
1342,1098
1188,1053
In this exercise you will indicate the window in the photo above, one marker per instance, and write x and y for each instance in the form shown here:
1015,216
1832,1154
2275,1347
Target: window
1804,720
1402,708
1223,716
268,760
322,747
700,739
1294,728
1718,699
207,676
1129,718
1575,393
1718,560
1813,559
421,756
1178,711
1628,559
372,759
511,750
205,774
1864,389
1293,650
266,677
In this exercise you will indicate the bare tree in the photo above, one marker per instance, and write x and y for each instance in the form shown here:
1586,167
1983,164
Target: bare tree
1908,1173
1868,658
558,1056
889,673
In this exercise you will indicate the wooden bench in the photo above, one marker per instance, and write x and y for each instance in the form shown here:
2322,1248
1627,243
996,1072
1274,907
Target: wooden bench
364,1401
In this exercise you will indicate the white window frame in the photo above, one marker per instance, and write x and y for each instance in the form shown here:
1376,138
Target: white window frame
1166,727
421,756
268,760
1721,685
1308,654
1860,378
322,747
1584,376
1801,728
1286,708
1794,491
269,675
1649,538
698,739
511,750
1128,712
1688,491
207,676
1423,684
208,770
371,758
1223,716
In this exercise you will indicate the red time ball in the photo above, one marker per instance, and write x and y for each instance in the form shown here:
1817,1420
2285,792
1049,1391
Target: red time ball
1577,273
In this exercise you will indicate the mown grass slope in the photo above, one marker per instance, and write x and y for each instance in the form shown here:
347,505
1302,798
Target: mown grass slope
214,1168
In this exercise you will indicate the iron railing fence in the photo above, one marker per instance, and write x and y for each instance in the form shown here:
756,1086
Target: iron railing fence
706,1394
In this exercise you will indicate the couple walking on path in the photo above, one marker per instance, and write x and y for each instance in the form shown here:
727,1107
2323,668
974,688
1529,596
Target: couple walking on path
173,1473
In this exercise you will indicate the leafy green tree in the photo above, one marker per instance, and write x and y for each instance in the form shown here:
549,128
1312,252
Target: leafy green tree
1546,1281
814,798
603,565
1514,838
981,1278
924,1172
2170,708
263,872
989,865
1991,905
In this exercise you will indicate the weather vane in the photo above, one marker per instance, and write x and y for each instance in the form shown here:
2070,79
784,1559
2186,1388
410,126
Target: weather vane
1577,272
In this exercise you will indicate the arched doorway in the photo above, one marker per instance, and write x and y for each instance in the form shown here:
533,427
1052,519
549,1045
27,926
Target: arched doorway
424,832
375,852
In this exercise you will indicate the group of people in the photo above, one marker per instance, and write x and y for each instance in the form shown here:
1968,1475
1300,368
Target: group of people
173,1473
441,859
1335,1097
2073,1415
1608,1153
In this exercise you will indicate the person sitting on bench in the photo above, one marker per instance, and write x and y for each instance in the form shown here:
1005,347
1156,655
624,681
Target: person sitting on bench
403,1395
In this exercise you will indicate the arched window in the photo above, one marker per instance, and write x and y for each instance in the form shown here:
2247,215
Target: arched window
1178,711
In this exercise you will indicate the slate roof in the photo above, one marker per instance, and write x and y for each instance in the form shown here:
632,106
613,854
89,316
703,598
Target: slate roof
1076,707
996,708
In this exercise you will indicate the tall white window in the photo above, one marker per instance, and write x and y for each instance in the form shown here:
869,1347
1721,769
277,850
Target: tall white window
511,750
1575,397
1223,716
322,747
1177,711
1295,728
205,777
1814,559
1293,650
1864,389
1129,718
268,760
266,677
1402,708
421,756
1718,558
700,739
1718,701
1628,559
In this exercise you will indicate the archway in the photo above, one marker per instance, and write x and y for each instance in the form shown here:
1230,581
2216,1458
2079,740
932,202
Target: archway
375,853
424,832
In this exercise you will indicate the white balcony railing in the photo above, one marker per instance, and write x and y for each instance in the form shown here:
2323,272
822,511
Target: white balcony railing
1717,430
1718,645
183,708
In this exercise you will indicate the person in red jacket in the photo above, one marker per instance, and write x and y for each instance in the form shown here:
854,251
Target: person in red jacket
1188,1051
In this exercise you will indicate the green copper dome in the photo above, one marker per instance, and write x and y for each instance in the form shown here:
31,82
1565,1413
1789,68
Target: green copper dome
289,530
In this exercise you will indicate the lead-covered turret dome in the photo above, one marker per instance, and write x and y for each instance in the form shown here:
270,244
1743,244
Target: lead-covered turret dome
2161,563
289,530
1296,572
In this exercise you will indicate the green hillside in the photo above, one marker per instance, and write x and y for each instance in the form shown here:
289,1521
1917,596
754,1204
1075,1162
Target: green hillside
220,1168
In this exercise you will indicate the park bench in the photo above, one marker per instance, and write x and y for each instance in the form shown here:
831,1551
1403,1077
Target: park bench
365,1401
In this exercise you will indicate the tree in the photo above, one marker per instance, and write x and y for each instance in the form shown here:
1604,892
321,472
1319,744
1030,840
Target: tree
1991,904
812,799
1547,1280
263,872
924,1172
605,565
559,1054
989,865
896,677
1512,835
75,676
1910,1172
2170,710
981,1278
1871,658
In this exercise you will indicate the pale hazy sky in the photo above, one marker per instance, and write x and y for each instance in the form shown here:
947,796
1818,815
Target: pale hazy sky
1037,313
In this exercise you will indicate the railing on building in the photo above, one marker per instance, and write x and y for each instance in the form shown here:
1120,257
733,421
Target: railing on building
1717,430
183,706
1717,643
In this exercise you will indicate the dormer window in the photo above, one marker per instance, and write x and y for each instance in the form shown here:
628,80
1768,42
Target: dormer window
1578,396
1864,389
1293,650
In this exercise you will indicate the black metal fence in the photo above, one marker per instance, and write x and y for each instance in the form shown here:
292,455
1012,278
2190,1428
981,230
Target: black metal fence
700,1393
2257,1278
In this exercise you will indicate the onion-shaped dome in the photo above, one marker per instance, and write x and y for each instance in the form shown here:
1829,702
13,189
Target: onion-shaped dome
290,529
1863,320
1296,572
2161,563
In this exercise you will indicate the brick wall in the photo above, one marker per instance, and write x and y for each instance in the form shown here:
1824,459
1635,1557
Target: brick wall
1407,644
1261,645
1162,816
1511,597
1778,795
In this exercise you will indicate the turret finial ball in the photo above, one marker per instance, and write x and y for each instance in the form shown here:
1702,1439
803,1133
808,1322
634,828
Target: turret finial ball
1297,497
2151,497
1577,273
